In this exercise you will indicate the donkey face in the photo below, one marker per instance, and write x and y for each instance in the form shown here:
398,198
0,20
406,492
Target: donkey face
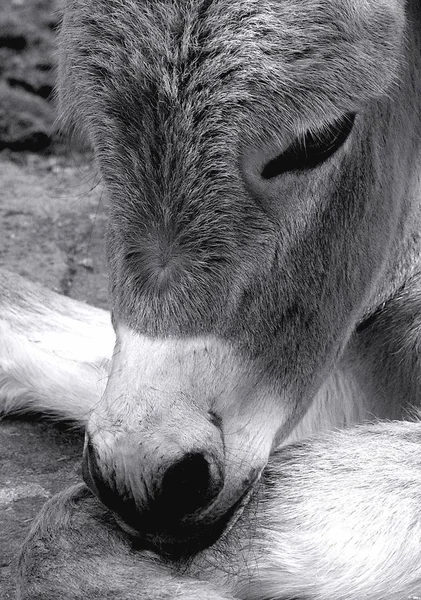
248,151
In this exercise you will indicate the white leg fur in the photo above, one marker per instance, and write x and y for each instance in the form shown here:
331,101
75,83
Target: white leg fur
342,519
54,352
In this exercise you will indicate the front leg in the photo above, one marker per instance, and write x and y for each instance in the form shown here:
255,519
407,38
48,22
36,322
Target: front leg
340,518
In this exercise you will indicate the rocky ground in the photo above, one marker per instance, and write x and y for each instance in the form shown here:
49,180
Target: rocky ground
52,223
27,73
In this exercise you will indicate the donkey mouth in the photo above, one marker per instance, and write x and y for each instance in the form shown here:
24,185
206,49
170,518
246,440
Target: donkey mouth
185,539
160,531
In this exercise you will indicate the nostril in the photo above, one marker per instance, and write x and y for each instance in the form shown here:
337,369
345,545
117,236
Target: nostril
190,485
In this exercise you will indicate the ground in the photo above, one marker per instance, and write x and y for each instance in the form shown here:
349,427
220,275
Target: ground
52,225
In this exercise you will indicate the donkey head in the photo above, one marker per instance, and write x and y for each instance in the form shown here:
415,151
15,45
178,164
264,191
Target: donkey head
249,152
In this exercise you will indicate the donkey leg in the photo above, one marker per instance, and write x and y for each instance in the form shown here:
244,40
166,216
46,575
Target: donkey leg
54,351
340,517
75,551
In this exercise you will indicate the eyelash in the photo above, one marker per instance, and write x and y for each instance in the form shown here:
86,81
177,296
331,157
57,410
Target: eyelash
312,149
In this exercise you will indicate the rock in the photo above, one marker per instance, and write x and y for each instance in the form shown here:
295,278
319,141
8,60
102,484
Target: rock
27,73
26,120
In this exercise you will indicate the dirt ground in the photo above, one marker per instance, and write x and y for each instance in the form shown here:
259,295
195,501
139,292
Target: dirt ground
52,224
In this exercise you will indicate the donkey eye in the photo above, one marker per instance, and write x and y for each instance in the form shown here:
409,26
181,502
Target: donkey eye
312,149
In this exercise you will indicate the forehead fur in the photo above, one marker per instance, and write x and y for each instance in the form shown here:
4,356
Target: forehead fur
307,59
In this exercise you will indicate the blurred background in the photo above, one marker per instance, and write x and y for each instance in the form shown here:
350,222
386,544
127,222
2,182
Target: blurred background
52,225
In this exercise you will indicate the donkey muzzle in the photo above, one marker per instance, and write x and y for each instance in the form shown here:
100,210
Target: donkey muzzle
172,509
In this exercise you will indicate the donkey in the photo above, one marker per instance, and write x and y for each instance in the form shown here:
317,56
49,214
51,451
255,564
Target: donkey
262,165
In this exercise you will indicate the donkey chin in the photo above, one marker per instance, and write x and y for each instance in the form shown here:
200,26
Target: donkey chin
177,444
